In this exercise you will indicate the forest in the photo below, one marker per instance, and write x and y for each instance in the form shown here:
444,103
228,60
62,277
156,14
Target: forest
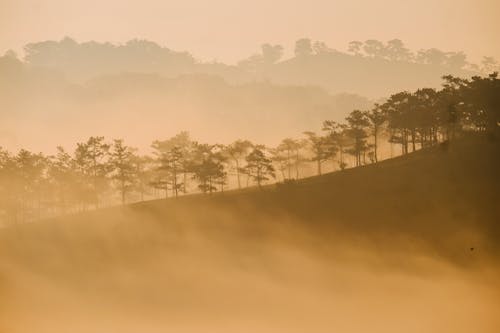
100,172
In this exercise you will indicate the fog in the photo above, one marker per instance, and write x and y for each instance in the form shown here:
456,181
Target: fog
317,256
140,270
249,166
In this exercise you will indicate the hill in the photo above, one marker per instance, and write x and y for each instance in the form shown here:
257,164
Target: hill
406,244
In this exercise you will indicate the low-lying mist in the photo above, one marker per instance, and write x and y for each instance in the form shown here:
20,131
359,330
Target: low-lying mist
240,263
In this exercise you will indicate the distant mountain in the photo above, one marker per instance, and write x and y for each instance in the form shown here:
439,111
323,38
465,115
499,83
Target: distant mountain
143,107
372,68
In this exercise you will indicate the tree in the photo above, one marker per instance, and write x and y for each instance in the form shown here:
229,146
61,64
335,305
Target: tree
64,177
337,138
237,151
92,160
259,167
172,163
280,159
396,51
303,48
357,124
376,118
28,175
121,161
319,148
456,60
143,169
290,148
184,149
271,53
8,202
397,108
374,48
482,96
321,48
432,57
489,65
208,167
355,47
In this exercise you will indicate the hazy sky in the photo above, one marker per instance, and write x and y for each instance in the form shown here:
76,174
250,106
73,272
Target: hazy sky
228,30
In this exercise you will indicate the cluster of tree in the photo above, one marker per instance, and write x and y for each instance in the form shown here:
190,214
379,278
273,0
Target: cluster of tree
77,59
99,172
393,50
413,120
88,59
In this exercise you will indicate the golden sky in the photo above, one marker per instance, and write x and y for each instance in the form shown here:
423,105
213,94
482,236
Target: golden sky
229,30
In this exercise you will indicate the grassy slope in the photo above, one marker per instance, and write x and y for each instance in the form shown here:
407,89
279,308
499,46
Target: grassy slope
446,198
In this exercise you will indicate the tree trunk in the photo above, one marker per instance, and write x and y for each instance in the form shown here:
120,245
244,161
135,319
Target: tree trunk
297,164
413,135
238,172
289,165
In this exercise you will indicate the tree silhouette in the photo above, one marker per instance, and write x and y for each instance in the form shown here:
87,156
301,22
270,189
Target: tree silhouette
319,148
208,167
303,48
357,124
237,151
376,118
259,167
92,160
122,168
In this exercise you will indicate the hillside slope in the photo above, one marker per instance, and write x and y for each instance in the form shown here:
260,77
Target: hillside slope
410,244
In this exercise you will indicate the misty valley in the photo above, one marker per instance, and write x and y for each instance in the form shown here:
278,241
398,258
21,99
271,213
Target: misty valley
143,189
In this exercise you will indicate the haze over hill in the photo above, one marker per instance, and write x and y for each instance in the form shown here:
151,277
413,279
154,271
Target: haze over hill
224,166
104,89
407,244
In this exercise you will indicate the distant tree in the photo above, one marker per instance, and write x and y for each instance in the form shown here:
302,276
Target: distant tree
321,48
319,148
279,159
259,167
64,177
122,168
374,48
90,59
172,163
290,148
303,48
271,53
144,171
92,160
489,65
236,152
355,47
432,57
28,176
456,60
208,167
396,51
184,149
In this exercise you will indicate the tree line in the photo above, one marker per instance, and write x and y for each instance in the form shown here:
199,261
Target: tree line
98,172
